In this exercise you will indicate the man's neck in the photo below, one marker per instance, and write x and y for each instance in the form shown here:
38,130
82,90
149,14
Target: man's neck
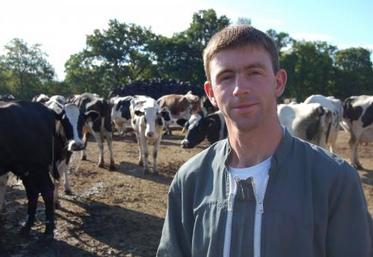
254,146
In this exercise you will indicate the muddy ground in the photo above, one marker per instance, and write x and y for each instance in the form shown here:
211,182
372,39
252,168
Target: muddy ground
118,213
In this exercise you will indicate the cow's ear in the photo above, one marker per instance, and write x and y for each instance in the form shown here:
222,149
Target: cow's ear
91,115
165,115
57,116
139,113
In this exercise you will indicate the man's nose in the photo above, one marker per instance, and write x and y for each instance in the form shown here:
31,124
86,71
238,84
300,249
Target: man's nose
241,86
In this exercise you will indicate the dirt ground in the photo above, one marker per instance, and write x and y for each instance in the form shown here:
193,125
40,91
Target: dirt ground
117,213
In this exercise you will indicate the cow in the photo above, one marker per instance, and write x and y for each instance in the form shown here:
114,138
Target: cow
42,98
310,122
180,108
7,98
211,127
148,124
336,107
101,128
37,140
358,122
31,147
120,112
69,129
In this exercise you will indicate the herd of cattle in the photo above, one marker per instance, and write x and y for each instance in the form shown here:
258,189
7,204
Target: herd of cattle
38,137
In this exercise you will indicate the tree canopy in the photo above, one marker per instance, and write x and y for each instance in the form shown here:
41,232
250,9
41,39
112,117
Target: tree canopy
123,53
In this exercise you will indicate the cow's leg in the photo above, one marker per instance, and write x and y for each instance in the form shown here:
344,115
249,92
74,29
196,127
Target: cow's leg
3,185
100,143
155,153
109,140
67,187
143,153
56,183
85,141
46,188
120,127
167,129
140,161
354,143
83,155
333,142
32,194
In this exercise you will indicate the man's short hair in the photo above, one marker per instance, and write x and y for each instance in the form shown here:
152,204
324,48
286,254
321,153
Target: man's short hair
235,37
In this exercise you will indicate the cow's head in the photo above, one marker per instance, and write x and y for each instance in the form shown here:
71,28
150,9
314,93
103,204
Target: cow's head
70,126
124,108
149,115
197,131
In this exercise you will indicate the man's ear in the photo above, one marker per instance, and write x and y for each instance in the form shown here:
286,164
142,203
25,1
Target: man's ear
281,78
210,93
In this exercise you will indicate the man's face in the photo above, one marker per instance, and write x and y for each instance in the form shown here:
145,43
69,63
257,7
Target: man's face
244,87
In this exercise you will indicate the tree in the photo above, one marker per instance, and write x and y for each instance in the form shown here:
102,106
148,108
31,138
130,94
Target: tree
112,57
282,39
310,69
243,21
180,57
354,69
26,67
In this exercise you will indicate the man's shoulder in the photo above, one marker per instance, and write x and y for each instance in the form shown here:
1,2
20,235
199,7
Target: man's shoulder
208,159
321,160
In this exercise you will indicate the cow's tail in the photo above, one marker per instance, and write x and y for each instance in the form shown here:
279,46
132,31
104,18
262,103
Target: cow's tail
328,132
55,173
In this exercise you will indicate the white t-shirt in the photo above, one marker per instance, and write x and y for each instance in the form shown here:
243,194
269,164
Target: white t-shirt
259,174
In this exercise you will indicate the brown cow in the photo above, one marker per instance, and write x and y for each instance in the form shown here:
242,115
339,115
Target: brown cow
180,108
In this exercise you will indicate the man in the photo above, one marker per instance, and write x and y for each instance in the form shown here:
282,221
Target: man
261,192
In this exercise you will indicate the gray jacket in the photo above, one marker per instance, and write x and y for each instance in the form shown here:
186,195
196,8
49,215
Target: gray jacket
314,206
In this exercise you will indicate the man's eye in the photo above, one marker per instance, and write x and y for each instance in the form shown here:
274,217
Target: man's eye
226,77
254,72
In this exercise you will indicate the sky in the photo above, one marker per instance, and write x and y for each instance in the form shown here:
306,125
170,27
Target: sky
61,27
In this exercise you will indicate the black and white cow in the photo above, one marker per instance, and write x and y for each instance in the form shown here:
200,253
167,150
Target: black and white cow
41,98
101,128
148,124
358,122
336,107
120,112
180,108
69,130
310,122
31,145
211,127
7,98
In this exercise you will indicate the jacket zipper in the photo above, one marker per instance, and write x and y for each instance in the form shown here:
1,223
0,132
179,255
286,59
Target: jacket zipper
228,227
259,210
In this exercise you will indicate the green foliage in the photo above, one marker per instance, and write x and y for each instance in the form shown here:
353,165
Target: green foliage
122,53
24,69
354,72
112,57
310,69
180,57
282,39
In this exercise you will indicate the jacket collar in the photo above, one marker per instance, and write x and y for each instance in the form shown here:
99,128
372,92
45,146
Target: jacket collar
278,157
